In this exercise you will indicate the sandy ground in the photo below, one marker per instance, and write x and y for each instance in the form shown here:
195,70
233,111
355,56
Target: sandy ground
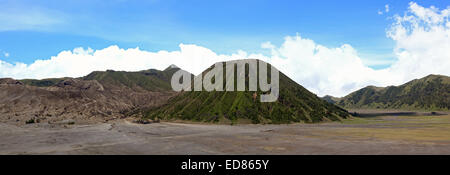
374,135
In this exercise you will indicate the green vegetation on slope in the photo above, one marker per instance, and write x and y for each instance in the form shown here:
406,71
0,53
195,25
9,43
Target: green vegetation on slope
330,99
429,93
295,104
42,83
151,80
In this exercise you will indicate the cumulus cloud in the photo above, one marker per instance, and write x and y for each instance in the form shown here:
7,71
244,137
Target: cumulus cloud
422,37
320,69
80,62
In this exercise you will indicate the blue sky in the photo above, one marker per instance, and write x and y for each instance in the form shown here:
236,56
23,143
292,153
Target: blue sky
41,29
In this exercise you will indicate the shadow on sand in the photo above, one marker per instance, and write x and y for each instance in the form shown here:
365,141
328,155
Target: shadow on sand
378,114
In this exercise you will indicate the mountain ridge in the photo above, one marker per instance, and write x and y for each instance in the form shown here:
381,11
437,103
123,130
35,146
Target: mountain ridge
431,92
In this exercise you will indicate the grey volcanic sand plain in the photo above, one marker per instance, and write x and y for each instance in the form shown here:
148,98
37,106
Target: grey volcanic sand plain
375,135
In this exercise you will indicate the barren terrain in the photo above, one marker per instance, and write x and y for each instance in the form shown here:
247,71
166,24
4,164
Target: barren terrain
385,134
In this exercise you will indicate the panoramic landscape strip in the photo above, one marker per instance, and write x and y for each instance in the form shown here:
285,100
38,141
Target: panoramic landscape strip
224,87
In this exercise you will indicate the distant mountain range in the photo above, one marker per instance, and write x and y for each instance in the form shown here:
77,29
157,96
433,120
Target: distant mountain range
108,95
429,93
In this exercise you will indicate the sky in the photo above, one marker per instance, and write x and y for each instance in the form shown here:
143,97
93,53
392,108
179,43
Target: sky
330,47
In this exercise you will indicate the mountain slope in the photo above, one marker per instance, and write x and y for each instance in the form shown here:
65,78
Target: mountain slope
429,93
295,104
97,96
150,80
331,99
44,82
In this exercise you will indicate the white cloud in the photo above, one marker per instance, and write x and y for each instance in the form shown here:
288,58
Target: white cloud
6,54
422,39
380,12
422,47
386,8
80,62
